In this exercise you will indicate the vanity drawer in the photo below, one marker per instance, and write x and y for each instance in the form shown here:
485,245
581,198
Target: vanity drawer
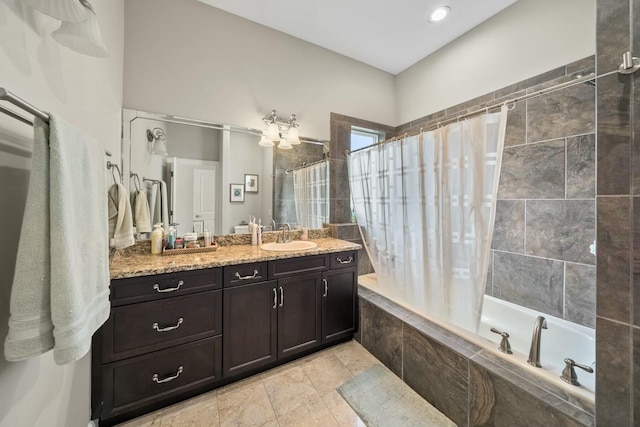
301,265
141,328
141,380
344,259
145,288
243,274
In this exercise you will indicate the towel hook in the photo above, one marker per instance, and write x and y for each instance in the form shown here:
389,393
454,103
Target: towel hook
112,166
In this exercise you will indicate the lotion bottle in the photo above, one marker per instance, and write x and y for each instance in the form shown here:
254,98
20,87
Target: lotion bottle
253,229
156,239
259,232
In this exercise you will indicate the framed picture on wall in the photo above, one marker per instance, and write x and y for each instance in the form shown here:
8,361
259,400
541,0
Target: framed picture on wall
236,193
251,183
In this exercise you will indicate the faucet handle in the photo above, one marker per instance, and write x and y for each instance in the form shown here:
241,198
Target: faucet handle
505,347
569,374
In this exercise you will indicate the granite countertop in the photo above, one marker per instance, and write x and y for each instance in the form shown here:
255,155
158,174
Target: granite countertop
146,264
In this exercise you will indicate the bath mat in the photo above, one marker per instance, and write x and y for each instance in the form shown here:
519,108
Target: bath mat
381,399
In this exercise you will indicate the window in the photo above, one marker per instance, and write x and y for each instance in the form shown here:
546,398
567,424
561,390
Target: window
361,137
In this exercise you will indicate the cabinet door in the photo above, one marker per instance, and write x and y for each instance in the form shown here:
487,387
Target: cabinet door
249,327
299,313
339,304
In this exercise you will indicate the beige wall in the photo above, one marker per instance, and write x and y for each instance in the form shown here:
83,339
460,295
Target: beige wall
186,58
526,39
88,93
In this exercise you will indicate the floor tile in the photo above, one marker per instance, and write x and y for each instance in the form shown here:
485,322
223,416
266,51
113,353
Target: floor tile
326,373
149,420
311,414
245,406
290,389
355,357
341,411
201,411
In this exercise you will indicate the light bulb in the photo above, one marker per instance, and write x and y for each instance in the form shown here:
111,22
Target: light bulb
439,14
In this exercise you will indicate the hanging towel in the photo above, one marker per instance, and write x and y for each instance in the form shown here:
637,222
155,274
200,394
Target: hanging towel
157,205
60,292
120,219
141,213
165,205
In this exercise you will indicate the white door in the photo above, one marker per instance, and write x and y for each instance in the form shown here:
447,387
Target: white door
204,199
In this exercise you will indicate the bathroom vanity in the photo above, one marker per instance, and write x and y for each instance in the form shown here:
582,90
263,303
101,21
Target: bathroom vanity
182,325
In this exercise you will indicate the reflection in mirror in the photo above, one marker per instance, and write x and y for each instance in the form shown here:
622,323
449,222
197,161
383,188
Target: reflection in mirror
199,161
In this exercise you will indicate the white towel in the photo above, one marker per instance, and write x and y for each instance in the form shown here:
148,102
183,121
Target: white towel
141,213
165,205
60,292
157,203
120,219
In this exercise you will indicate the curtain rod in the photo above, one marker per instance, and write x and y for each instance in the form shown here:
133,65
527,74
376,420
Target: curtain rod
5,95
457,117
305,165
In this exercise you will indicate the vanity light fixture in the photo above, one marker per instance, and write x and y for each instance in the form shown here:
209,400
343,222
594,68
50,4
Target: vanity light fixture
439,14
84,36
63,10
158,141
285,132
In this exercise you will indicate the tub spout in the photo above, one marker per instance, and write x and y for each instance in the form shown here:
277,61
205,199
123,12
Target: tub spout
534,351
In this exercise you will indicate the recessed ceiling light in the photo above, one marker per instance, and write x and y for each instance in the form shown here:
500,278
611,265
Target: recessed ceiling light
439,14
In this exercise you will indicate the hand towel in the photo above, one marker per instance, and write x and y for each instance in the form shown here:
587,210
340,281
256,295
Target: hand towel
120,219
60,292
141,213
165,205
157,205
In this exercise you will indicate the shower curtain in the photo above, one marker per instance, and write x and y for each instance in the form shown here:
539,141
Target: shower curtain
425,205
311,194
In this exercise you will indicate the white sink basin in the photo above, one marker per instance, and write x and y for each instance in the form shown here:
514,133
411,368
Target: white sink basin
296,245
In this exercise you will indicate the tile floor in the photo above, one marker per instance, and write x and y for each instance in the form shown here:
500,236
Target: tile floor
300,393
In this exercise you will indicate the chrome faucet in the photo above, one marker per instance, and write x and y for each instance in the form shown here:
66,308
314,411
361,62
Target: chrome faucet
273,224
286,234
534,351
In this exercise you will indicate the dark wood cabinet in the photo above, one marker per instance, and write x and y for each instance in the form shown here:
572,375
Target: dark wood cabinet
171,336
339,315
250,327
299,314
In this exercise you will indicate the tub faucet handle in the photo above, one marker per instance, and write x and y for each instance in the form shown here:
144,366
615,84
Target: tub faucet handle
505,347
569,374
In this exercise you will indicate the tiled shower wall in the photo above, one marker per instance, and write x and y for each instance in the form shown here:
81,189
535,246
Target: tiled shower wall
545,215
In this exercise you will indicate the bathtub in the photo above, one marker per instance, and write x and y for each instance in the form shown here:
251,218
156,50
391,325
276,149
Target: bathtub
562,339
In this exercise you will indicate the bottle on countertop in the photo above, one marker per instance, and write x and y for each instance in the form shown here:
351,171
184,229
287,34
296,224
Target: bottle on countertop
253,229
259,232
207,238
156,239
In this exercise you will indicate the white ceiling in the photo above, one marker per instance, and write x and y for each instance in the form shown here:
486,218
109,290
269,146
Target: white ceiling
389,35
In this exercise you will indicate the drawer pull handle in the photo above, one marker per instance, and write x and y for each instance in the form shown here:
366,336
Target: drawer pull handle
326,287
166,380
168,328
157,287
275,298
255,276
281,297
349,261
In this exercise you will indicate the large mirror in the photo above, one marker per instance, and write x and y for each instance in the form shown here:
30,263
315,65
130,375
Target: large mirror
216,176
